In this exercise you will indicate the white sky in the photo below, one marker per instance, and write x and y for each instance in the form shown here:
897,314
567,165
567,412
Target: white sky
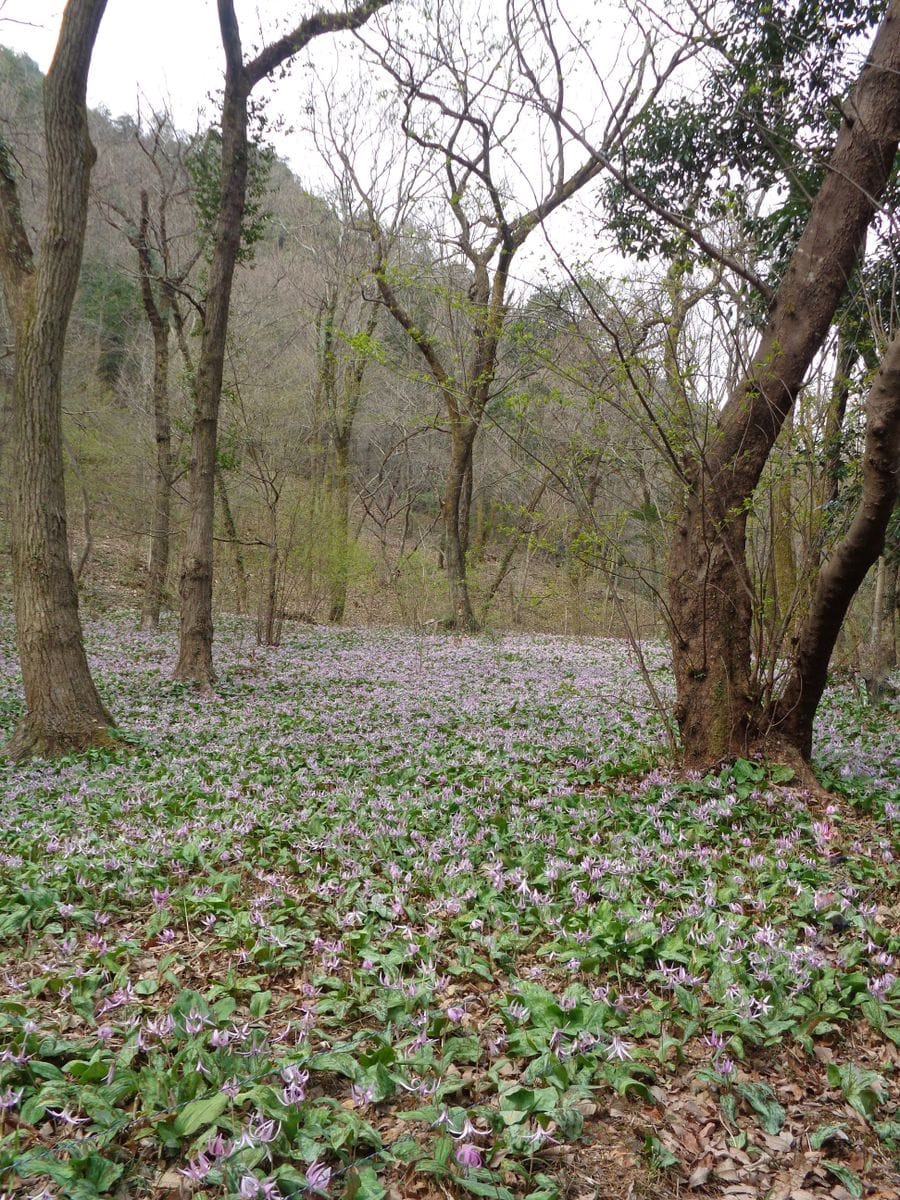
168,53
166,50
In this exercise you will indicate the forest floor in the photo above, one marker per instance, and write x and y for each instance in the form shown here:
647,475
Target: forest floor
399,916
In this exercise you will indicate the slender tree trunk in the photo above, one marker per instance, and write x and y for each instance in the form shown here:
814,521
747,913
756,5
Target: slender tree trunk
877,611
64,712
514,543
162,488
240,571
341,502
460,615
465,507
845,570
162,431
268,613
86,524
887,646
845,356
195,662
710,592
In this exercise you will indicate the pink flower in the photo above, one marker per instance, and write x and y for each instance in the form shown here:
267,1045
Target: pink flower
468,1155
318,1176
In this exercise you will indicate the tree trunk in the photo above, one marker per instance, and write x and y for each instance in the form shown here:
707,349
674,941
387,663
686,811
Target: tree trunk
460,615
845,356
162,492
162,429
513,545
710,592
267,620
64,712
845,570
195,662
887,646
341,503
231,533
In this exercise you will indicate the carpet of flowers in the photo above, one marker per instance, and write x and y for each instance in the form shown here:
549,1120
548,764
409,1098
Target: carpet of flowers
407,916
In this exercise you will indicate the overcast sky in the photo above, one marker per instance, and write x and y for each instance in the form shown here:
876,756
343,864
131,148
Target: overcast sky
168,53
166,50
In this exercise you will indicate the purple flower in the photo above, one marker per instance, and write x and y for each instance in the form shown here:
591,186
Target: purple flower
197,1170
468,1155
318,1176
617,1049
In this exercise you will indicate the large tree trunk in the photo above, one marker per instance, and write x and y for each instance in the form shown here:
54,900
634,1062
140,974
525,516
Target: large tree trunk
460,615
845,570
710,591
64,712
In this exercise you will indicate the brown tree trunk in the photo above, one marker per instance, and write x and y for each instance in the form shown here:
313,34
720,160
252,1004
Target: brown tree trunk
162,429
267,621
887,645
341,502
460,615
710,591
834,422
845,570
231,533
195,661
64,712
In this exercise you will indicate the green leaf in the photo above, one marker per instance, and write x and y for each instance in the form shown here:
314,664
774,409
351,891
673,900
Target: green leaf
761,1099
825,1133
259,1005
200,1113
36,1162
337,1061
848,1178
483,1187
101,1172
888,1131
364,1185
660,1156
779,773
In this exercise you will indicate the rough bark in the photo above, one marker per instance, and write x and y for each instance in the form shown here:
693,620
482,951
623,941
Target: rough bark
195,659
64,712
710,593
845,570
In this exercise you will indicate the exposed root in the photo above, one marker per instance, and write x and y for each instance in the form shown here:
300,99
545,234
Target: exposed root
33,740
